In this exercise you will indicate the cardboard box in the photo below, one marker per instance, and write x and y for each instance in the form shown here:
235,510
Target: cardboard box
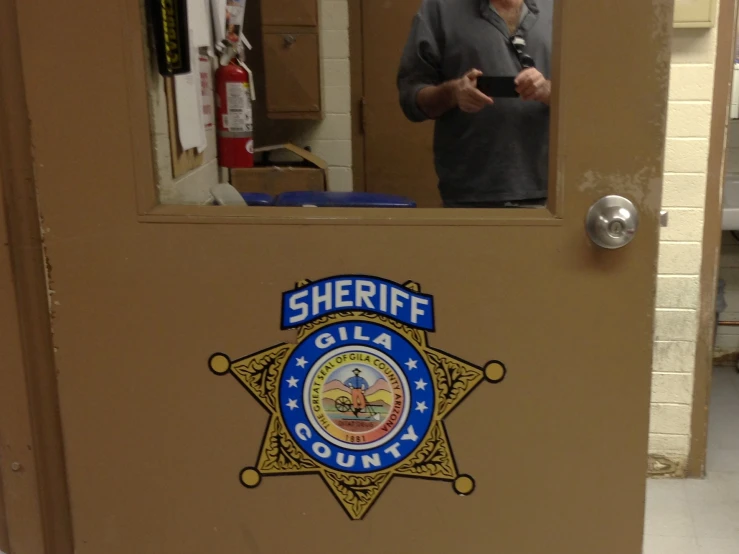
308,172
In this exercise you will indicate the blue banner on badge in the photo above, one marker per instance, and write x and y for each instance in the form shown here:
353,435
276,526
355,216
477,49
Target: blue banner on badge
357,293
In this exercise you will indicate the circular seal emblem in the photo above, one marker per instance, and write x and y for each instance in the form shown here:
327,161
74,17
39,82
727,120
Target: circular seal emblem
357,396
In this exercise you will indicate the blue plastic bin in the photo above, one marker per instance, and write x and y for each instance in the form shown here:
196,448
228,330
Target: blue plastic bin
343,200
257,198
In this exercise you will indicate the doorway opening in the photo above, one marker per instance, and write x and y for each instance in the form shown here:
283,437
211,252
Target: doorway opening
723,426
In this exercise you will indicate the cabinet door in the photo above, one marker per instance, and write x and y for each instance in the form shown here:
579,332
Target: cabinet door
290,12
292,73
694,13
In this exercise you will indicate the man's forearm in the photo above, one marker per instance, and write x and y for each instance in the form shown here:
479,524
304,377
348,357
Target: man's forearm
436,100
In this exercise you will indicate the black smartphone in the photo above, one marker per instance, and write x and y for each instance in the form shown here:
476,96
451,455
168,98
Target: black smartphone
497,87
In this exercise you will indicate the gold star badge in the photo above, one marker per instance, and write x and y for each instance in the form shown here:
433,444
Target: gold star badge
361,397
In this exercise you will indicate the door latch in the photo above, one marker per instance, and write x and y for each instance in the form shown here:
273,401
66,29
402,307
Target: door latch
664,218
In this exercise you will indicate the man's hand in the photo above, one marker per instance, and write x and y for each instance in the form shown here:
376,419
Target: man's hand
532,85
436,100
468,97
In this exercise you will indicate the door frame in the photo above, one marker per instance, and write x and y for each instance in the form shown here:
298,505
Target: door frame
356,71
711,245
41,522
32,472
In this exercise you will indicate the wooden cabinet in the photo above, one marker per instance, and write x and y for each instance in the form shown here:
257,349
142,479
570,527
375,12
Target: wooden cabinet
695,13
290,13
292,74
292,63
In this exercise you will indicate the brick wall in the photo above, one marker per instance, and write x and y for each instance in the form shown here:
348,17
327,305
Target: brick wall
686,161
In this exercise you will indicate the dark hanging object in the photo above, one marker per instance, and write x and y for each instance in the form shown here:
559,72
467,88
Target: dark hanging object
171,40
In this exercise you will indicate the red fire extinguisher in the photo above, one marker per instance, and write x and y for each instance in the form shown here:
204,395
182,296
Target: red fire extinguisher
234,115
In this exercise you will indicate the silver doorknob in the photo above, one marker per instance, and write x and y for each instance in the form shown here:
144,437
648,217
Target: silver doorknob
612,222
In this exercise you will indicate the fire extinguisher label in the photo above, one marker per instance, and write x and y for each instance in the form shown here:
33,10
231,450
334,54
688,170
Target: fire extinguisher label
239,118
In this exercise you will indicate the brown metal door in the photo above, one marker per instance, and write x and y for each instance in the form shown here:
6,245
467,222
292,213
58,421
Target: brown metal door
4,540
177,359
398,154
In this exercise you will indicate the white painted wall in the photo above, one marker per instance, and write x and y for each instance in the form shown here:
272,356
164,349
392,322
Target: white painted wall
686,163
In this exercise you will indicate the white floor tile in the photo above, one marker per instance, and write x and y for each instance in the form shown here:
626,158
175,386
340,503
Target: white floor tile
717,546
666,490
675,521
718,488
701,516
667,510
728,483
724,436
717,521
723,460
670,545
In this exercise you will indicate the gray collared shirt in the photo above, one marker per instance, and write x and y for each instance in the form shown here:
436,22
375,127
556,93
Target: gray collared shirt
501,153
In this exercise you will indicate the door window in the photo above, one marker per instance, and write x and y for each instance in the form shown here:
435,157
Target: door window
282,106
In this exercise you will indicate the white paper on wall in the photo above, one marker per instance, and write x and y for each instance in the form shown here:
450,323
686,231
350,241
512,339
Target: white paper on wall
189,106
218,8
206,89
200,23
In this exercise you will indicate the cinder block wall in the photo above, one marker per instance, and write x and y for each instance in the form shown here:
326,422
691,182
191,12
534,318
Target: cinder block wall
331,139
686,162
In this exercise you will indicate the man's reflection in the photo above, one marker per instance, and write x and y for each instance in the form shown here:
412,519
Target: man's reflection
489,152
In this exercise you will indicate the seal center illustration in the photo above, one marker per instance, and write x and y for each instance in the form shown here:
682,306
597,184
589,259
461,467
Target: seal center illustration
356,397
